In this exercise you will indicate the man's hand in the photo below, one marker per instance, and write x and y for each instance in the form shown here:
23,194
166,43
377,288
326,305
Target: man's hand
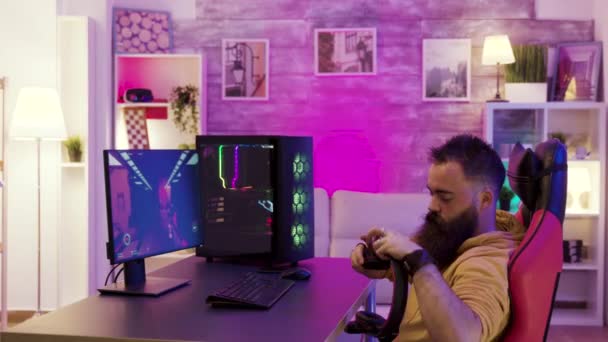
356,260
392,244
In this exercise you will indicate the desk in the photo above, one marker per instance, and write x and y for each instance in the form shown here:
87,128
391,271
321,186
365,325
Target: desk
314,310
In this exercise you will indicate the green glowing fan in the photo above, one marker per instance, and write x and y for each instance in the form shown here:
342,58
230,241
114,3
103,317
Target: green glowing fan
301,167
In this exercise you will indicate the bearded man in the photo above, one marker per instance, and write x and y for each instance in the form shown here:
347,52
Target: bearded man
457,259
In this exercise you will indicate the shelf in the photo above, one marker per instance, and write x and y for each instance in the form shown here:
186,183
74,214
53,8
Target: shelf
143,104
586,317
582,215
548,105
586,265
73,165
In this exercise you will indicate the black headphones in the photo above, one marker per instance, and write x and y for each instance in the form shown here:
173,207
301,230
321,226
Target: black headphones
372,324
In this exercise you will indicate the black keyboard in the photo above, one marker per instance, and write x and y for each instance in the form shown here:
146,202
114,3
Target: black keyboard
253,290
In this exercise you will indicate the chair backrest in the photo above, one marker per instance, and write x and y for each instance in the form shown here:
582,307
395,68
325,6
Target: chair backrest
535,266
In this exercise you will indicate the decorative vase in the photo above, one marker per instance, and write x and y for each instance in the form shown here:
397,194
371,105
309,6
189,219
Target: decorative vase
526,92
75,156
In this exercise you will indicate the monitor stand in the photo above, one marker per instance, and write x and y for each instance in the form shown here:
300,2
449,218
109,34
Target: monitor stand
137,284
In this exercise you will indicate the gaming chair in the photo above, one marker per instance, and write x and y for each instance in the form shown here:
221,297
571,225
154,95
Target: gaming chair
539,178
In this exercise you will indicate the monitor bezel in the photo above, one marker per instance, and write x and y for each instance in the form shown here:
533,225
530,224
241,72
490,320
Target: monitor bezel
110,245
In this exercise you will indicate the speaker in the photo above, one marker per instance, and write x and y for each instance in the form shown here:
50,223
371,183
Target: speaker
138,95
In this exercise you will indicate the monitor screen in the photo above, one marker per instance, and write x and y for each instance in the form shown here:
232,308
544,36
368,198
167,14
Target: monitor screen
153,202
237,197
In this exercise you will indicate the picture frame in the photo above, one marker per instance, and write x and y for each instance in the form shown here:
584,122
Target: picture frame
446,70
141,31
345,51
245,69
576,74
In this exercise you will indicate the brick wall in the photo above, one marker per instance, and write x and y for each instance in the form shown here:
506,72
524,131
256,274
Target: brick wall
370,133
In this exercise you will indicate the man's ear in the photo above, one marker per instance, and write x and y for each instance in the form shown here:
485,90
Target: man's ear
486,198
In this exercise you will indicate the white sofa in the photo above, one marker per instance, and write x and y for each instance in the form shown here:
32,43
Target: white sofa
343,218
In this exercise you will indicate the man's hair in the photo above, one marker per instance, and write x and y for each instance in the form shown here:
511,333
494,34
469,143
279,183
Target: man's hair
479,162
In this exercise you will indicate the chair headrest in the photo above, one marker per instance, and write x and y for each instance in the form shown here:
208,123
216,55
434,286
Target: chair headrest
539,177
523,170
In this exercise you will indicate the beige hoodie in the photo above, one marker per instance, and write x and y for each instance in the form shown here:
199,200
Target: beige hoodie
478,277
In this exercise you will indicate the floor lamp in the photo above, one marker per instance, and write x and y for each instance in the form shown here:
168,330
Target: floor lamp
38,116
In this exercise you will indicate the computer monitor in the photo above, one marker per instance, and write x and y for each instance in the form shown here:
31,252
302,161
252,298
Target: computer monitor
153,207
257,198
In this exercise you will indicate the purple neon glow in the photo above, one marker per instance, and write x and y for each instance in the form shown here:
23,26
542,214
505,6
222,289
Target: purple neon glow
236,166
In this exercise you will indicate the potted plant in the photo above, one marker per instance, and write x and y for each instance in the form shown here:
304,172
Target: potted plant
505,197
561,136
526,79
185,113
74,146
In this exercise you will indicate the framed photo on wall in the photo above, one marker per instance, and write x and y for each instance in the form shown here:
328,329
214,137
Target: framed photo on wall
141,31
345,51
577,71
446,70
245,73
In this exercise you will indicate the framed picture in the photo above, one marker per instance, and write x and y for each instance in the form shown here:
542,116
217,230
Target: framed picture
245,69
349,51
576,77
141,31
446,70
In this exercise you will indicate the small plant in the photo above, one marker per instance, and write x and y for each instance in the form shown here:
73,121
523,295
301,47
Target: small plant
74,146
530,65
183,103
184,146
561,136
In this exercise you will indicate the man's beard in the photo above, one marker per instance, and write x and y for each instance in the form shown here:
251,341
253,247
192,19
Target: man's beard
441,239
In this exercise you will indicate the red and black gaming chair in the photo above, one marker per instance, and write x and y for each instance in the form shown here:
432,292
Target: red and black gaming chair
539,178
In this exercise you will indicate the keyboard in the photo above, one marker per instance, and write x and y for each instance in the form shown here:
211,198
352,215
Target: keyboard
252,290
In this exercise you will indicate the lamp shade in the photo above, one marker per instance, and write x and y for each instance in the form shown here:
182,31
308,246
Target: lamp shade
497,49
38,114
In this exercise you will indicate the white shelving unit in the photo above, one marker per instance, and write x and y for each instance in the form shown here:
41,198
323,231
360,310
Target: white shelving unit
581,285
160,73
75,61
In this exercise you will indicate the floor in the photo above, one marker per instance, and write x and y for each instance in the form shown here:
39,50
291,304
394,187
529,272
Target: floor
556,333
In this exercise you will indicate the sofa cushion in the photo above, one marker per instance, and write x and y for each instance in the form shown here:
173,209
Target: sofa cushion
321,223
354,213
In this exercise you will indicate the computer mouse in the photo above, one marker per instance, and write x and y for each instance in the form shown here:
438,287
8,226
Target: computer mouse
296,274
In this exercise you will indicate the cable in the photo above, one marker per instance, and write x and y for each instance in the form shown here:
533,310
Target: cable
117,274
108,276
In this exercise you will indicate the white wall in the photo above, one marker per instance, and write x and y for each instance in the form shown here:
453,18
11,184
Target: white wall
28,58
600,13
180,9
99,129
100,125
565,9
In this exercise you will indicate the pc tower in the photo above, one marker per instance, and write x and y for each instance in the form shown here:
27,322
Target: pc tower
257,197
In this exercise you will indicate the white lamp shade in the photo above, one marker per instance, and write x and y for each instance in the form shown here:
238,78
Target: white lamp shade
38,114
497,49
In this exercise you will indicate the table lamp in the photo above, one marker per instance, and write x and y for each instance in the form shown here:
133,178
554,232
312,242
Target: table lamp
496,51
38,116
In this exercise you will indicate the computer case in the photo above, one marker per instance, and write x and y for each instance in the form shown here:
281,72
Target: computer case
291,176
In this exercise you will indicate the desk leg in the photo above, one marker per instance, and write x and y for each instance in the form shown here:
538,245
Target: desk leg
370,302
370,306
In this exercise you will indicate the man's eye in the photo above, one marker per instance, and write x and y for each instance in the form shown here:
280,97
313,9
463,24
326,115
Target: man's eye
445,198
